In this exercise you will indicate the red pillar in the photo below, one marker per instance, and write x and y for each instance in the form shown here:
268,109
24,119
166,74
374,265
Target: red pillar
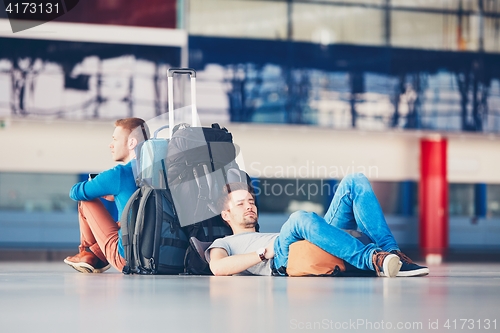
433,198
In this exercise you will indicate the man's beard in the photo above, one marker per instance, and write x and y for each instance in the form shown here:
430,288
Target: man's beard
250,222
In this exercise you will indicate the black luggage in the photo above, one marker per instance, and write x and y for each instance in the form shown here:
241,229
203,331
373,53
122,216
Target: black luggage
200,161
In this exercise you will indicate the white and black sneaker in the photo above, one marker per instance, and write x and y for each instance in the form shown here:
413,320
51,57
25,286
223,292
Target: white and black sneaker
409,268
386,264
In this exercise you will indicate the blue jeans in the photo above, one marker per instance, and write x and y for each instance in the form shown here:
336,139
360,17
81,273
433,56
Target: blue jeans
354,206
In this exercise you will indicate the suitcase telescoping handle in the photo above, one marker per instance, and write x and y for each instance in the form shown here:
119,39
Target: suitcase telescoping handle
155,135
170,83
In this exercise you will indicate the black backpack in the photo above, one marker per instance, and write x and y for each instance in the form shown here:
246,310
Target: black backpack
152,238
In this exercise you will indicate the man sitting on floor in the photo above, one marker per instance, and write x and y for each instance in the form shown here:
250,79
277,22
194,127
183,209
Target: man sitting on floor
100,235
353,206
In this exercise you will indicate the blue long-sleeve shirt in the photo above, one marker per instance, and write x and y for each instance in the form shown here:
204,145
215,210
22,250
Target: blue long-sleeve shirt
118,181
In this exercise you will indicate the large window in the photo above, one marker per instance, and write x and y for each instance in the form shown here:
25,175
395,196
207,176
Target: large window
461,199
289,195
397,198
36,192
428,24
493,200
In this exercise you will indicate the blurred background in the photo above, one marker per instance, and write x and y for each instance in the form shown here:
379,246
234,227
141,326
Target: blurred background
312,90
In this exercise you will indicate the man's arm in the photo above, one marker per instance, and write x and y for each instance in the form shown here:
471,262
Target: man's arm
222,264
107,183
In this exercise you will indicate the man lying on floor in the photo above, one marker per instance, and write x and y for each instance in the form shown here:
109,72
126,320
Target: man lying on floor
354,206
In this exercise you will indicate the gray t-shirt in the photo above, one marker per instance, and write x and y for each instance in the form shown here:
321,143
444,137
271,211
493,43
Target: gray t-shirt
246,243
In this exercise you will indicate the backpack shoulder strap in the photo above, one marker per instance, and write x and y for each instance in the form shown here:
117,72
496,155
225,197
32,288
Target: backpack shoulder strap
204,182
139,225
127,221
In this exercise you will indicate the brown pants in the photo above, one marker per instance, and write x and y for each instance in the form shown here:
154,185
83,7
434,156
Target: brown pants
99,232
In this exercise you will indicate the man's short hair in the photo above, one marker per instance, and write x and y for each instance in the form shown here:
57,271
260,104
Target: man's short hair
137,127
228,188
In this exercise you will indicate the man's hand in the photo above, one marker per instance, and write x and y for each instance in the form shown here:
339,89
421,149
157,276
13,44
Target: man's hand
269,251
109,197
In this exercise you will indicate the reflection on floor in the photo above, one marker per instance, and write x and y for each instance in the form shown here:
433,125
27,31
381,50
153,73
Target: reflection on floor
52,297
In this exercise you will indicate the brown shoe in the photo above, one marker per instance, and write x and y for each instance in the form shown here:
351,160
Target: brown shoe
87,262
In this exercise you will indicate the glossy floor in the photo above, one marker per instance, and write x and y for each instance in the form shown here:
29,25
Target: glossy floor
52,297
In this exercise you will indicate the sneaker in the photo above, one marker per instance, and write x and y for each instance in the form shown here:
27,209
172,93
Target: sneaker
87,262
386,264
409,268
101,266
